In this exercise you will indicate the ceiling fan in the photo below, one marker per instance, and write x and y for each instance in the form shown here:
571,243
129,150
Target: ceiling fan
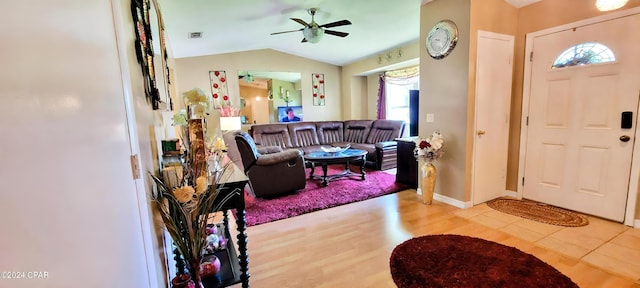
247,78
313,32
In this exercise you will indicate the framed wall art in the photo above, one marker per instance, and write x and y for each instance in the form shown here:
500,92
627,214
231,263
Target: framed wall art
165,96
317,82
144,49
219,89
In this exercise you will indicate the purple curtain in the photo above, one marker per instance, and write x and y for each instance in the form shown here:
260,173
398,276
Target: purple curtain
382,103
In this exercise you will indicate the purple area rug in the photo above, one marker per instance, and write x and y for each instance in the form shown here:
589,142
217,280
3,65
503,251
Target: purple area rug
317,197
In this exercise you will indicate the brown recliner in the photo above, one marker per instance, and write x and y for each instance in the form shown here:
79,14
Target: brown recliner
272,171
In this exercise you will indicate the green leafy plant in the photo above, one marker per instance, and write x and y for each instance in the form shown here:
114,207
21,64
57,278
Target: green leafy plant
184,211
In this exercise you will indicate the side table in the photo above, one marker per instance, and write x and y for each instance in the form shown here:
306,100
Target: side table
234,266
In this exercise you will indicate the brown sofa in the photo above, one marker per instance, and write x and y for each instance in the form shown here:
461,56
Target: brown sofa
374,136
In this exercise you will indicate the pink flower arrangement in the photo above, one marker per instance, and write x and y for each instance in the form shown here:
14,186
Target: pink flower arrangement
229,111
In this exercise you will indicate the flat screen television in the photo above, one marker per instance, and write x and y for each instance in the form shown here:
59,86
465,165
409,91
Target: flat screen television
283,113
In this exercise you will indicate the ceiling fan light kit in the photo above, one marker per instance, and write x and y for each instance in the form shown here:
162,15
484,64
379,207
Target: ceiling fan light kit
312,32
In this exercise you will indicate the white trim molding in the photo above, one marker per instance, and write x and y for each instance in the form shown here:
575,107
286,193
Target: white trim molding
452,202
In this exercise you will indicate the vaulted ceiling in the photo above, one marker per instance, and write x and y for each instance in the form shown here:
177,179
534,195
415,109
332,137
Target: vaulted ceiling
243,25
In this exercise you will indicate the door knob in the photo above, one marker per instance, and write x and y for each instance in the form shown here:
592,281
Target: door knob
625,138
481,132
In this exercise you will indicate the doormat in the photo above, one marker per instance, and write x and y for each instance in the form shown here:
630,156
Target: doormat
539,212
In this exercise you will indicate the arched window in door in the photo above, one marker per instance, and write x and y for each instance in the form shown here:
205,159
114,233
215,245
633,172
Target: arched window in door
584,54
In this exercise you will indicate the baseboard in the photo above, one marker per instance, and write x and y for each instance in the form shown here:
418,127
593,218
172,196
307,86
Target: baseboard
452,202
512,194
448,200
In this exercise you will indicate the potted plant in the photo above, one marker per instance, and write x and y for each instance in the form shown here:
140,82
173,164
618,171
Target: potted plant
185,202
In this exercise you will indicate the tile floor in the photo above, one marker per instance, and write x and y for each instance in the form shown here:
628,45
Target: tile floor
609,245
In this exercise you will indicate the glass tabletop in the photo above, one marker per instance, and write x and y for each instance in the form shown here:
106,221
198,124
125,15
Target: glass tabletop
317,155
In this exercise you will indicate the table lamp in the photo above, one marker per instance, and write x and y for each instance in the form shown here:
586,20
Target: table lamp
230,123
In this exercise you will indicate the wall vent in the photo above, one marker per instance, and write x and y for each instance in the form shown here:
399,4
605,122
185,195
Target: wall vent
195,35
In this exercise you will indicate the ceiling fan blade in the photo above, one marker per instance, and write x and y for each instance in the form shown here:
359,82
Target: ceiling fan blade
337,23
301,22
336,33
275,33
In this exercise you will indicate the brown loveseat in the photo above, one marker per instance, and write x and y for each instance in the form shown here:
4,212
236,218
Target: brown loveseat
374,136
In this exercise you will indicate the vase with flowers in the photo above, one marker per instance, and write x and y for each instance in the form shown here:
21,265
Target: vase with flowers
427,151
185,204
197,103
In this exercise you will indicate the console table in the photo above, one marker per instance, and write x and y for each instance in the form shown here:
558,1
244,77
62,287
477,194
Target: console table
234,267
407,169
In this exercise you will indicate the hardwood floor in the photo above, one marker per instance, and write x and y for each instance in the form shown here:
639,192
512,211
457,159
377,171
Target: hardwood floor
349,246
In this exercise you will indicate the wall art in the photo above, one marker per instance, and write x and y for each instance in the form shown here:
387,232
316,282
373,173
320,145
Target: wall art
317,80
144,49
166,71
219,90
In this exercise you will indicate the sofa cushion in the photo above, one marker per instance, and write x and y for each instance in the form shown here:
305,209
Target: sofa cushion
271,135
303,134
385,130
356,131
330,132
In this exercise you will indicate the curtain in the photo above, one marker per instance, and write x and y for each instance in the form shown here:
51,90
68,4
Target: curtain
382,103
396,77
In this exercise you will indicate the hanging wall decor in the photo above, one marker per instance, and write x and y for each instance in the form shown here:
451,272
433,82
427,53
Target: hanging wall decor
317,80
144,49
219,90
165,97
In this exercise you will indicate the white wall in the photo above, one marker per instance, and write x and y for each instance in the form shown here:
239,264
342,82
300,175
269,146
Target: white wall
359,102
194,72
69,203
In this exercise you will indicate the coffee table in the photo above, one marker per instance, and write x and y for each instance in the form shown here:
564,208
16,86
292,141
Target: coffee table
349,156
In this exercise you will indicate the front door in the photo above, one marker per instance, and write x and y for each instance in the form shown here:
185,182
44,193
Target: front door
576,156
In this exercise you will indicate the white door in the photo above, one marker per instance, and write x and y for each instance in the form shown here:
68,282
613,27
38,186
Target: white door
493,97
574,156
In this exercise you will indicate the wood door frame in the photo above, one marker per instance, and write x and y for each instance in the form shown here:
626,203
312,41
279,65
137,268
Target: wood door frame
632,191
511,39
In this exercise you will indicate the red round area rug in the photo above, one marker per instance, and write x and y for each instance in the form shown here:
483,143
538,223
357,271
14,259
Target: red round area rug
462,261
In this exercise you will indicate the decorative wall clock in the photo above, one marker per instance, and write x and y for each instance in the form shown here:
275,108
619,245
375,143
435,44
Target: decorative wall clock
442,38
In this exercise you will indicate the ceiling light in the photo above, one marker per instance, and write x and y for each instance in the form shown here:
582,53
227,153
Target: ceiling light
608,5
313,34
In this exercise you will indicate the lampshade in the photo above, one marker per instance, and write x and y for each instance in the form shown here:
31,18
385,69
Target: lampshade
608,5
313,34
230,123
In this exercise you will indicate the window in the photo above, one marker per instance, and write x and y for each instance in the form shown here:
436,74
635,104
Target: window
397,84
584,54
397,94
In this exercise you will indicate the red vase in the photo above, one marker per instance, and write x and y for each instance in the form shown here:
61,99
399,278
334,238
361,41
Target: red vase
194,270
210,266
181,281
